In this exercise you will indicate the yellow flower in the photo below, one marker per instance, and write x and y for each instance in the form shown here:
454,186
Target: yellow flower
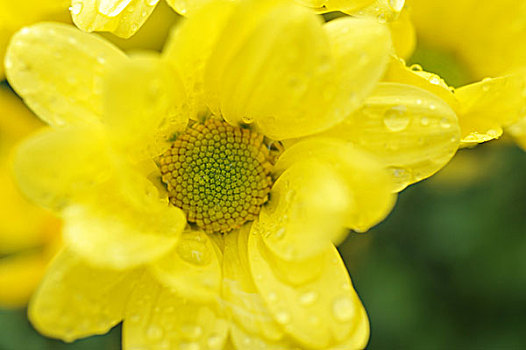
28,234
472,40
125,17
202,190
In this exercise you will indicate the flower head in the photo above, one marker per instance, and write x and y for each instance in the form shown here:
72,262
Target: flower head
202,190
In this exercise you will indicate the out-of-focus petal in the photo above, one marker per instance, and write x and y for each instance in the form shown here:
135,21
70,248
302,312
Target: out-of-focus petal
403,35
186,7
307,210
142,105
121,17
367,180
192,268
412,131
76,300
156,318
321,309
488,106
58,71
19,277
54,166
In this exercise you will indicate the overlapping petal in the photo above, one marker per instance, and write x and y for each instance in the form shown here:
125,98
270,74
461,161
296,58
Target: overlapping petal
193,268
121,17
248,310
76,300
142,105
156,318
58,71
122,227
413,132
488,106
319,310
368,181
307,210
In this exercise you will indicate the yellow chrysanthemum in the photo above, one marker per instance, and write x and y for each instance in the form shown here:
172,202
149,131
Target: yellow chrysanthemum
28,234
125,17
202,190
472,40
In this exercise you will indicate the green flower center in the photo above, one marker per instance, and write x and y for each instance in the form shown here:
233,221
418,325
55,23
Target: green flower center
219,175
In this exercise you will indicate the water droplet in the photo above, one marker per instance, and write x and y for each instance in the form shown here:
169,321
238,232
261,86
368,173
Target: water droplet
135,318
308,298
424,121
192,331
396,5
190,346
343,309
396,119
101,60
272,297
434,80
152,2
154,332
215,342
76,7
416,68
445,123
280,232
283,317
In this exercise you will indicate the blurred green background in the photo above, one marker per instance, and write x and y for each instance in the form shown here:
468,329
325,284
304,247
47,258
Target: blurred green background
446,270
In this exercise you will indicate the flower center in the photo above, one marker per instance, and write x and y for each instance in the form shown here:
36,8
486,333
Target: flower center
219,175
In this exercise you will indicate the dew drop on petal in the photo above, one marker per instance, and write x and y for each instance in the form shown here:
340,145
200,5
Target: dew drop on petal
343,309
154,332
396,118
308,298
283,317
76,7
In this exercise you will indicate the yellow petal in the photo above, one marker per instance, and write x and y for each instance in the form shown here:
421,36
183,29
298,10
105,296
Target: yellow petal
488,106
412,131
156,318
121,17
19,277
142,104
243,340
189,56
54,166
381,10
367,180
18,13
359,336
123,228
403,35
186,7
192,268
243,302
76,300
487,36
255,74
307,210
57,70
398,72
320,311
336,5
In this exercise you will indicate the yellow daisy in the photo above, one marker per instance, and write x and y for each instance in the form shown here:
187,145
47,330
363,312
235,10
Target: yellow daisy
125,17
29,235
202,190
